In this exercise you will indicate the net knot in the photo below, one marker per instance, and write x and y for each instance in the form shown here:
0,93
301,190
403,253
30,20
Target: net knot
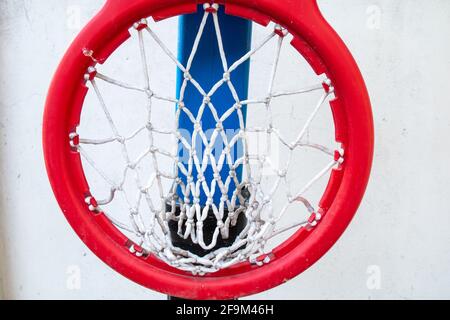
219,126
207,100
153,149
198,128
187,76
282,173
226,77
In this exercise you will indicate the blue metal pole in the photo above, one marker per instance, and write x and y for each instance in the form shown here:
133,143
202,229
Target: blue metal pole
207,70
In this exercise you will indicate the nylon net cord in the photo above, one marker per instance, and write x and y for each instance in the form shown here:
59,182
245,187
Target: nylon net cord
152,233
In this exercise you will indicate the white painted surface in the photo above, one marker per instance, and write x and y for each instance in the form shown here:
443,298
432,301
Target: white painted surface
397,246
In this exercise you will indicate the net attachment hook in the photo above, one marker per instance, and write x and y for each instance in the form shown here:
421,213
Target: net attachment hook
211,7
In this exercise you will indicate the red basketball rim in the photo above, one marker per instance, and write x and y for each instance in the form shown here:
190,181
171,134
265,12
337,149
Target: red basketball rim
325,52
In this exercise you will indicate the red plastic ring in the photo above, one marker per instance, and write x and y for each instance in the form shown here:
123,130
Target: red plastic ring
325,52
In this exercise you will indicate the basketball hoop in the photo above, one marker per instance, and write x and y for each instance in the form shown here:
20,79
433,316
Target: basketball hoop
198,212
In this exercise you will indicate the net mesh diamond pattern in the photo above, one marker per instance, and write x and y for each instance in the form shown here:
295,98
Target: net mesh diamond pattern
241,193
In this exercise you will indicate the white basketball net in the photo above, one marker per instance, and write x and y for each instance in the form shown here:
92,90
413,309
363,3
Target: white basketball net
151,234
